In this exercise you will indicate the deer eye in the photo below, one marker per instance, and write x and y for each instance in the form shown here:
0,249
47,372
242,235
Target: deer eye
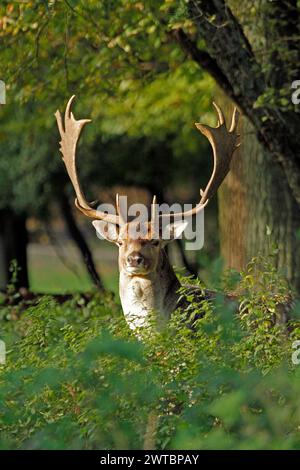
119,243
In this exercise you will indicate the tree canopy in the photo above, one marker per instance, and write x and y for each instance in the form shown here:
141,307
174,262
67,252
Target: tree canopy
129,74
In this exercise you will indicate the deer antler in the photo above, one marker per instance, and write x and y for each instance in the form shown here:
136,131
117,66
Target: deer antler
223,143
70,133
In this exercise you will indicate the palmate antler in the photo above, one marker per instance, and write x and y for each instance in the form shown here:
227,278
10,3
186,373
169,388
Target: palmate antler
70,133
223,143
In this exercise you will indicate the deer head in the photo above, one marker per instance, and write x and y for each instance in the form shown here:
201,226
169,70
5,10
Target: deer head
141,243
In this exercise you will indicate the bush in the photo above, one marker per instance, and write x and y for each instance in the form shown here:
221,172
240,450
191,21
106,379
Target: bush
76,377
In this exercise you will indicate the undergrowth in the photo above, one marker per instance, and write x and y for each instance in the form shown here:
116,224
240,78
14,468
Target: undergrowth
77,378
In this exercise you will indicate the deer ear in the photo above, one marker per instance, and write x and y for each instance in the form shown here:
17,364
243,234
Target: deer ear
174,230
106,230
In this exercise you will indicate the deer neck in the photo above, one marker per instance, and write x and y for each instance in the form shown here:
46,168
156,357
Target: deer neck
153,296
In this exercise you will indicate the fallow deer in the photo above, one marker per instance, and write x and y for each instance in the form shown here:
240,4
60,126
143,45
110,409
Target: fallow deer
148,282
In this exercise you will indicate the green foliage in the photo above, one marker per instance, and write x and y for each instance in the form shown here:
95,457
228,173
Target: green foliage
76,377
273,35
130,76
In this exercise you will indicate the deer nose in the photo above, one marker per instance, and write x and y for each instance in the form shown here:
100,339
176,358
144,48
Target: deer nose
135,259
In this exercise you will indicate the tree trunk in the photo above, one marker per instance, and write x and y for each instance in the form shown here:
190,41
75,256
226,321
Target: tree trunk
13,246
80,241
229,57
255,196
259,192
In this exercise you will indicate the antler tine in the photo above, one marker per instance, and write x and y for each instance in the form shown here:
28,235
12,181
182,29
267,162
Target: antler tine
234,120
117,203
221,118
68,113
153,210
119,211
70,132
223,143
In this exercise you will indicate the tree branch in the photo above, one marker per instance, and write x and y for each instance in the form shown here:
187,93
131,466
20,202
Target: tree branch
79,240
202,58
228,46
276,127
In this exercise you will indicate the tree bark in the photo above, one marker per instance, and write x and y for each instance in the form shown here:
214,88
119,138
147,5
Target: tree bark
13,246
80,241
253,197
263,187
231,56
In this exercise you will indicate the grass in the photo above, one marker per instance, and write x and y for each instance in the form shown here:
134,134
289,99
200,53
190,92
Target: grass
63,272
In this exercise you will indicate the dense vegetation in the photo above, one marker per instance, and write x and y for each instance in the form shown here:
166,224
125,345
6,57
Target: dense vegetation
145,72
77,378
75,375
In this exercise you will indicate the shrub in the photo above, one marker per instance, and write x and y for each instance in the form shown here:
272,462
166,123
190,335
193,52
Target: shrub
76,377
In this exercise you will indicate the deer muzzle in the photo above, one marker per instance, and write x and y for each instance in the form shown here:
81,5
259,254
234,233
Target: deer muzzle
136,262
